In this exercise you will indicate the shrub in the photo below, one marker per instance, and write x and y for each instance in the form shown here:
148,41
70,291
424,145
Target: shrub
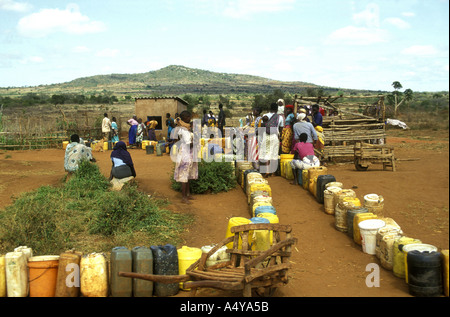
213,177
83,213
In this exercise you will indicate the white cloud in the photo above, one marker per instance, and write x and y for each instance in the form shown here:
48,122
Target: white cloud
300,51
108,52
48,21
245,8
408,14
397,22
10,5
32,60
81,49
370,17
352,35
240,8
420,50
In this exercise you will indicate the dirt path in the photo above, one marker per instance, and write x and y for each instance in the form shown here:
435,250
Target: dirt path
326,262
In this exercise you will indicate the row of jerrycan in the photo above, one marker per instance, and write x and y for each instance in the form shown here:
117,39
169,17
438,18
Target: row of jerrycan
72,274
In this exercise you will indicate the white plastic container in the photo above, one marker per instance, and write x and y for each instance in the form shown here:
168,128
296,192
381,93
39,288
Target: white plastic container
219,256
28,251
368,230
16,274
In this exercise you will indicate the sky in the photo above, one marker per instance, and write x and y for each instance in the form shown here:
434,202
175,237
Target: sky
336,43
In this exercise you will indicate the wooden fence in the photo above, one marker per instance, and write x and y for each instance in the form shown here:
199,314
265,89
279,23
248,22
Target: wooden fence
350,124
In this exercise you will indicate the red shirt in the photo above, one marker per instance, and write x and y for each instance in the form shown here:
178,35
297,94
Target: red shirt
303,149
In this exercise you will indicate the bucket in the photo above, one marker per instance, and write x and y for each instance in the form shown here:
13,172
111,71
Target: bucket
186,257
359,218
368,230
444,255
235,221
374,203
43,271
329,200
421,247
398,265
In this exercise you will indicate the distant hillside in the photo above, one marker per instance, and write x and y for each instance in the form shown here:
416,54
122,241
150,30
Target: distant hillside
176,80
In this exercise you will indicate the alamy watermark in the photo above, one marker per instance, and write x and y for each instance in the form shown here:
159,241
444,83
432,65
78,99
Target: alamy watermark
373,278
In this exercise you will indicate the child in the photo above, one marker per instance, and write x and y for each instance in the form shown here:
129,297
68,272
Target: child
304,156
185,167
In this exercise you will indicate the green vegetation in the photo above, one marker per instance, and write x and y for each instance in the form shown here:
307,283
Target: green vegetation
83,213
213,177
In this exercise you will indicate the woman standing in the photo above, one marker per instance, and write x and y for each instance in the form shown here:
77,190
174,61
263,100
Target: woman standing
140,133
287,133
186,168
114,130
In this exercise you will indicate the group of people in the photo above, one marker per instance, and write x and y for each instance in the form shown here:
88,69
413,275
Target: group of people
186,168
110,130
285,132
209,120
76,151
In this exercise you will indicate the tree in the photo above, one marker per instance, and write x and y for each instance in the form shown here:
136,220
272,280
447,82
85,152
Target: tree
407,95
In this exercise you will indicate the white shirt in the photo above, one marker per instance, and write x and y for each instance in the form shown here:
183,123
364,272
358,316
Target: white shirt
106,125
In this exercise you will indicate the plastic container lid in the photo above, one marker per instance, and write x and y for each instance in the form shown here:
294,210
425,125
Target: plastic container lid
371,224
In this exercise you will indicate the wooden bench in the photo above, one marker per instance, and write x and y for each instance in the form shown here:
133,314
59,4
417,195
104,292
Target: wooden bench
248,270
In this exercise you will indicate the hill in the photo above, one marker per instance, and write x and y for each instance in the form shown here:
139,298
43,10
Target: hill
175,80
170,80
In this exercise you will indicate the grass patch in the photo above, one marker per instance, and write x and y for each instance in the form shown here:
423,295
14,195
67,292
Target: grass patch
83,213
213,177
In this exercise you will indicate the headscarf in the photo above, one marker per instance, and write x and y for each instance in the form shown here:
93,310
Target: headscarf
301,116
120,152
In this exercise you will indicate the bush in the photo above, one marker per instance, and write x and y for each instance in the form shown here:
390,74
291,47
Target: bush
213,177
84,214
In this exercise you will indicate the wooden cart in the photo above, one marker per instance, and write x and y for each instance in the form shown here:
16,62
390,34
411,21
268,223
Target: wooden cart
366,154
247,270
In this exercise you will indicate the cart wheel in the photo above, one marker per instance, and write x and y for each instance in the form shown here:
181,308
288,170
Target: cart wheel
265,291
359,167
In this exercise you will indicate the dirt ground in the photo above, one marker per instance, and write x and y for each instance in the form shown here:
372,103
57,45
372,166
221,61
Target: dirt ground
325,262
